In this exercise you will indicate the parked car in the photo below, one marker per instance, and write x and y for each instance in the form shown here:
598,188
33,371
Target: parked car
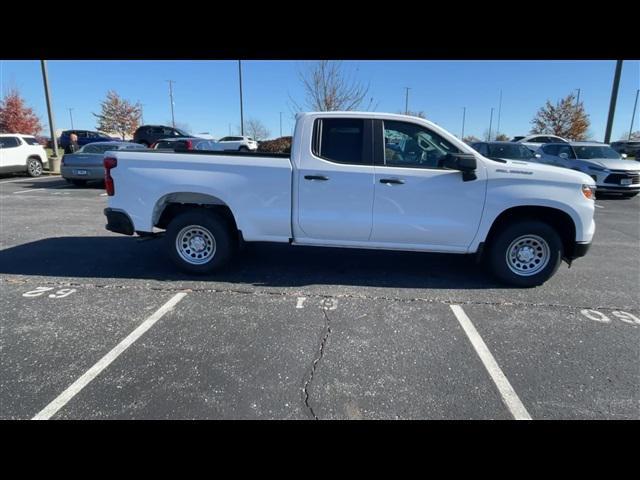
339,187
150,134
503,150
242,144
191,143
611,172
84,137
21,153
628,147
533,142
86,164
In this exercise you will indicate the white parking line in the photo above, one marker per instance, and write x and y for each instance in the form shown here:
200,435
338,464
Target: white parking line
61,400
30,190
508,394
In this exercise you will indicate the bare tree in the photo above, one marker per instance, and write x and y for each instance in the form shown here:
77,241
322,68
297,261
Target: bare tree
470,139
328,88
501,137
419,114
256,129
566,119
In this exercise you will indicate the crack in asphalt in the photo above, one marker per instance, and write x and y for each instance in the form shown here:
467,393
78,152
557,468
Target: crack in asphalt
314,365
235,291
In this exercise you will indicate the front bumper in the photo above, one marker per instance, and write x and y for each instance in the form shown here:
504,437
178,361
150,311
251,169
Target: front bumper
93,173
579,249
118,222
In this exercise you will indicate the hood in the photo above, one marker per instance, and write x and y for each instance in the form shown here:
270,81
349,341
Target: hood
613,163
548,172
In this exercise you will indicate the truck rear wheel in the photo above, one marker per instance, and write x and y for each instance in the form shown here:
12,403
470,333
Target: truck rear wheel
525,253
199,241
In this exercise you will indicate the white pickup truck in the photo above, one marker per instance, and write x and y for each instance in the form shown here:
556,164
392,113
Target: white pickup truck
356,180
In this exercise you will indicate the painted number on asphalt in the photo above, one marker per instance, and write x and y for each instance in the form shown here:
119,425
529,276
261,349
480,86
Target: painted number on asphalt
597,316
63,292
325,303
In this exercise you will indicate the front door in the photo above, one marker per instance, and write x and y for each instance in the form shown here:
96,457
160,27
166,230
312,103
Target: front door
335,181
417,202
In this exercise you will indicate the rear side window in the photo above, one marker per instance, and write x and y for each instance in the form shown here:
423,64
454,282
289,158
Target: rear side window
31,141
339,140
9,142
167,145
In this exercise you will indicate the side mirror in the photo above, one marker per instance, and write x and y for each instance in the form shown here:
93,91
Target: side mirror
624,155
463,162
537,155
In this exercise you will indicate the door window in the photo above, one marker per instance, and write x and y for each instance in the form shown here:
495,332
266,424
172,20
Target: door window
340,140
411,145
9,142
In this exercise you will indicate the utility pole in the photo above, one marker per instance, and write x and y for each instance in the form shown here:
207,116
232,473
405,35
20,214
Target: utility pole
173,120
614,99
633,116
71,116
141,112
229,129
241,113
281,124
52,127
406,101
499,111
578,99
464,114
490,122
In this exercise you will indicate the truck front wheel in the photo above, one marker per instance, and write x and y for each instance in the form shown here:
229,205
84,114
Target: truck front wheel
525,253
199,241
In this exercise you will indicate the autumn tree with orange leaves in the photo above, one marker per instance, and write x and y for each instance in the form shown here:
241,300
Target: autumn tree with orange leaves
16,117
566,119
118,115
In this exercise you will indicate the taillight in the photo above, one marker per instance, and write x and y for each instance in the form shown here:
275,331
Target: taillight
109,163
153,145
189,145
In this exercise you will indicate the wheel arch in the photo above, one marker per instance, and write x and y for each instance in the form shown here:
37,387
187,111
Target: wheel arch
559,220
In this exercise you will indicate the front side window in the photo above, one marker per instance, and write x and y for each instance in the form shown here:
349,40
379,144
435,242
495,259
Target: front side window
411,145
566,149
550,149
340,140
511,151
224,139
590,153
31,141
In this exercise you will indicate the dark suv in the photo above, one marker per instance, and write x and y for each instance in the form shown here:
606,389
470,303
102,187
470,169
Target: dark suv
149,134
629,147
84,137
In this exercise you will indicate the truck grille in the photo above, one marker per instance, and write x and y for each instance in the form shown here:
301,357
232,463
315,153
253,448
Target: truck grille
617,177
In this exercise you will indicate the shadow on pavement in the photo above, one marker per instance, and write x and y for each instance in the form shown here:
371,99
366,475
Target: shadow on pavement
257,264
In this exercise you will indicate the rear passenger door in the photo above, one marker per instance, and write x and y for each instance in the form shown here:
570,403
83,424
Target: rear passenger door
11,155
335,181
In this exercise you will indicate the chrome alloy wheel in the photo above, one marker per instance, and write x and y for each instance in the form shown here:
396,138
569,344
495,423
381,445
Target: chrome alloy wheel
528,255
195,245
35,167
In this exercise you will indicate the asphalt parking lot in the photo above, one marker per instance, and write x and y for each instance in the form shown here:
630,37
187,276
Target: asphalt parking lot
95,325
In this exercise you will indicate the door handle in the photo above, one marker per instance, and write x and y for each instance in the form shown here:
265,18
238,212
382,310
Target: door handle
391,181
315,177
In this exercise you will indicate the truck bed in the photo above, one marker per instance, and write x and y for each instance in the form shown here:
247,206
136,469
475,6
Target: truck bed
255,186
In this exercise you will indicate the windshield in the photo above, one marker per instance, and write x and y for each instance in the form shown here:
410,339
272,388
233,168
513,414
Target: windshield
510,151
183,133
591,152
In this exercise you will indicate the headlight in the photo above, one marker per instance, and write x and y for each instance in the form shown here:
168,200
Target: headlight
589,192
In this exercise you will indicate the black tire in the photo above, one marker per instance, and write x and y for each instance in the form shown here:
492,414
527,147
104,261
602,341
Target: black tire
221,247
79,183
530,232
243,149
34,167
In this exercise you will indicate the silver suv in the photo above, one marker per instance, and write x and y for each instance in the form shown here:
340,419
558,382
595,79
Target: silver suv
612,172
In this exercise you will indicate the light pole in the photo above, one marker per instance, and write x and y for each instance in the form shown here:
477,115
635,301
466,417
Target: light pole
633,116
173,120
614,99
241,113
578,99
141,112
464,114
406,101
499,112
71,116
52,128
490,123
281,124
